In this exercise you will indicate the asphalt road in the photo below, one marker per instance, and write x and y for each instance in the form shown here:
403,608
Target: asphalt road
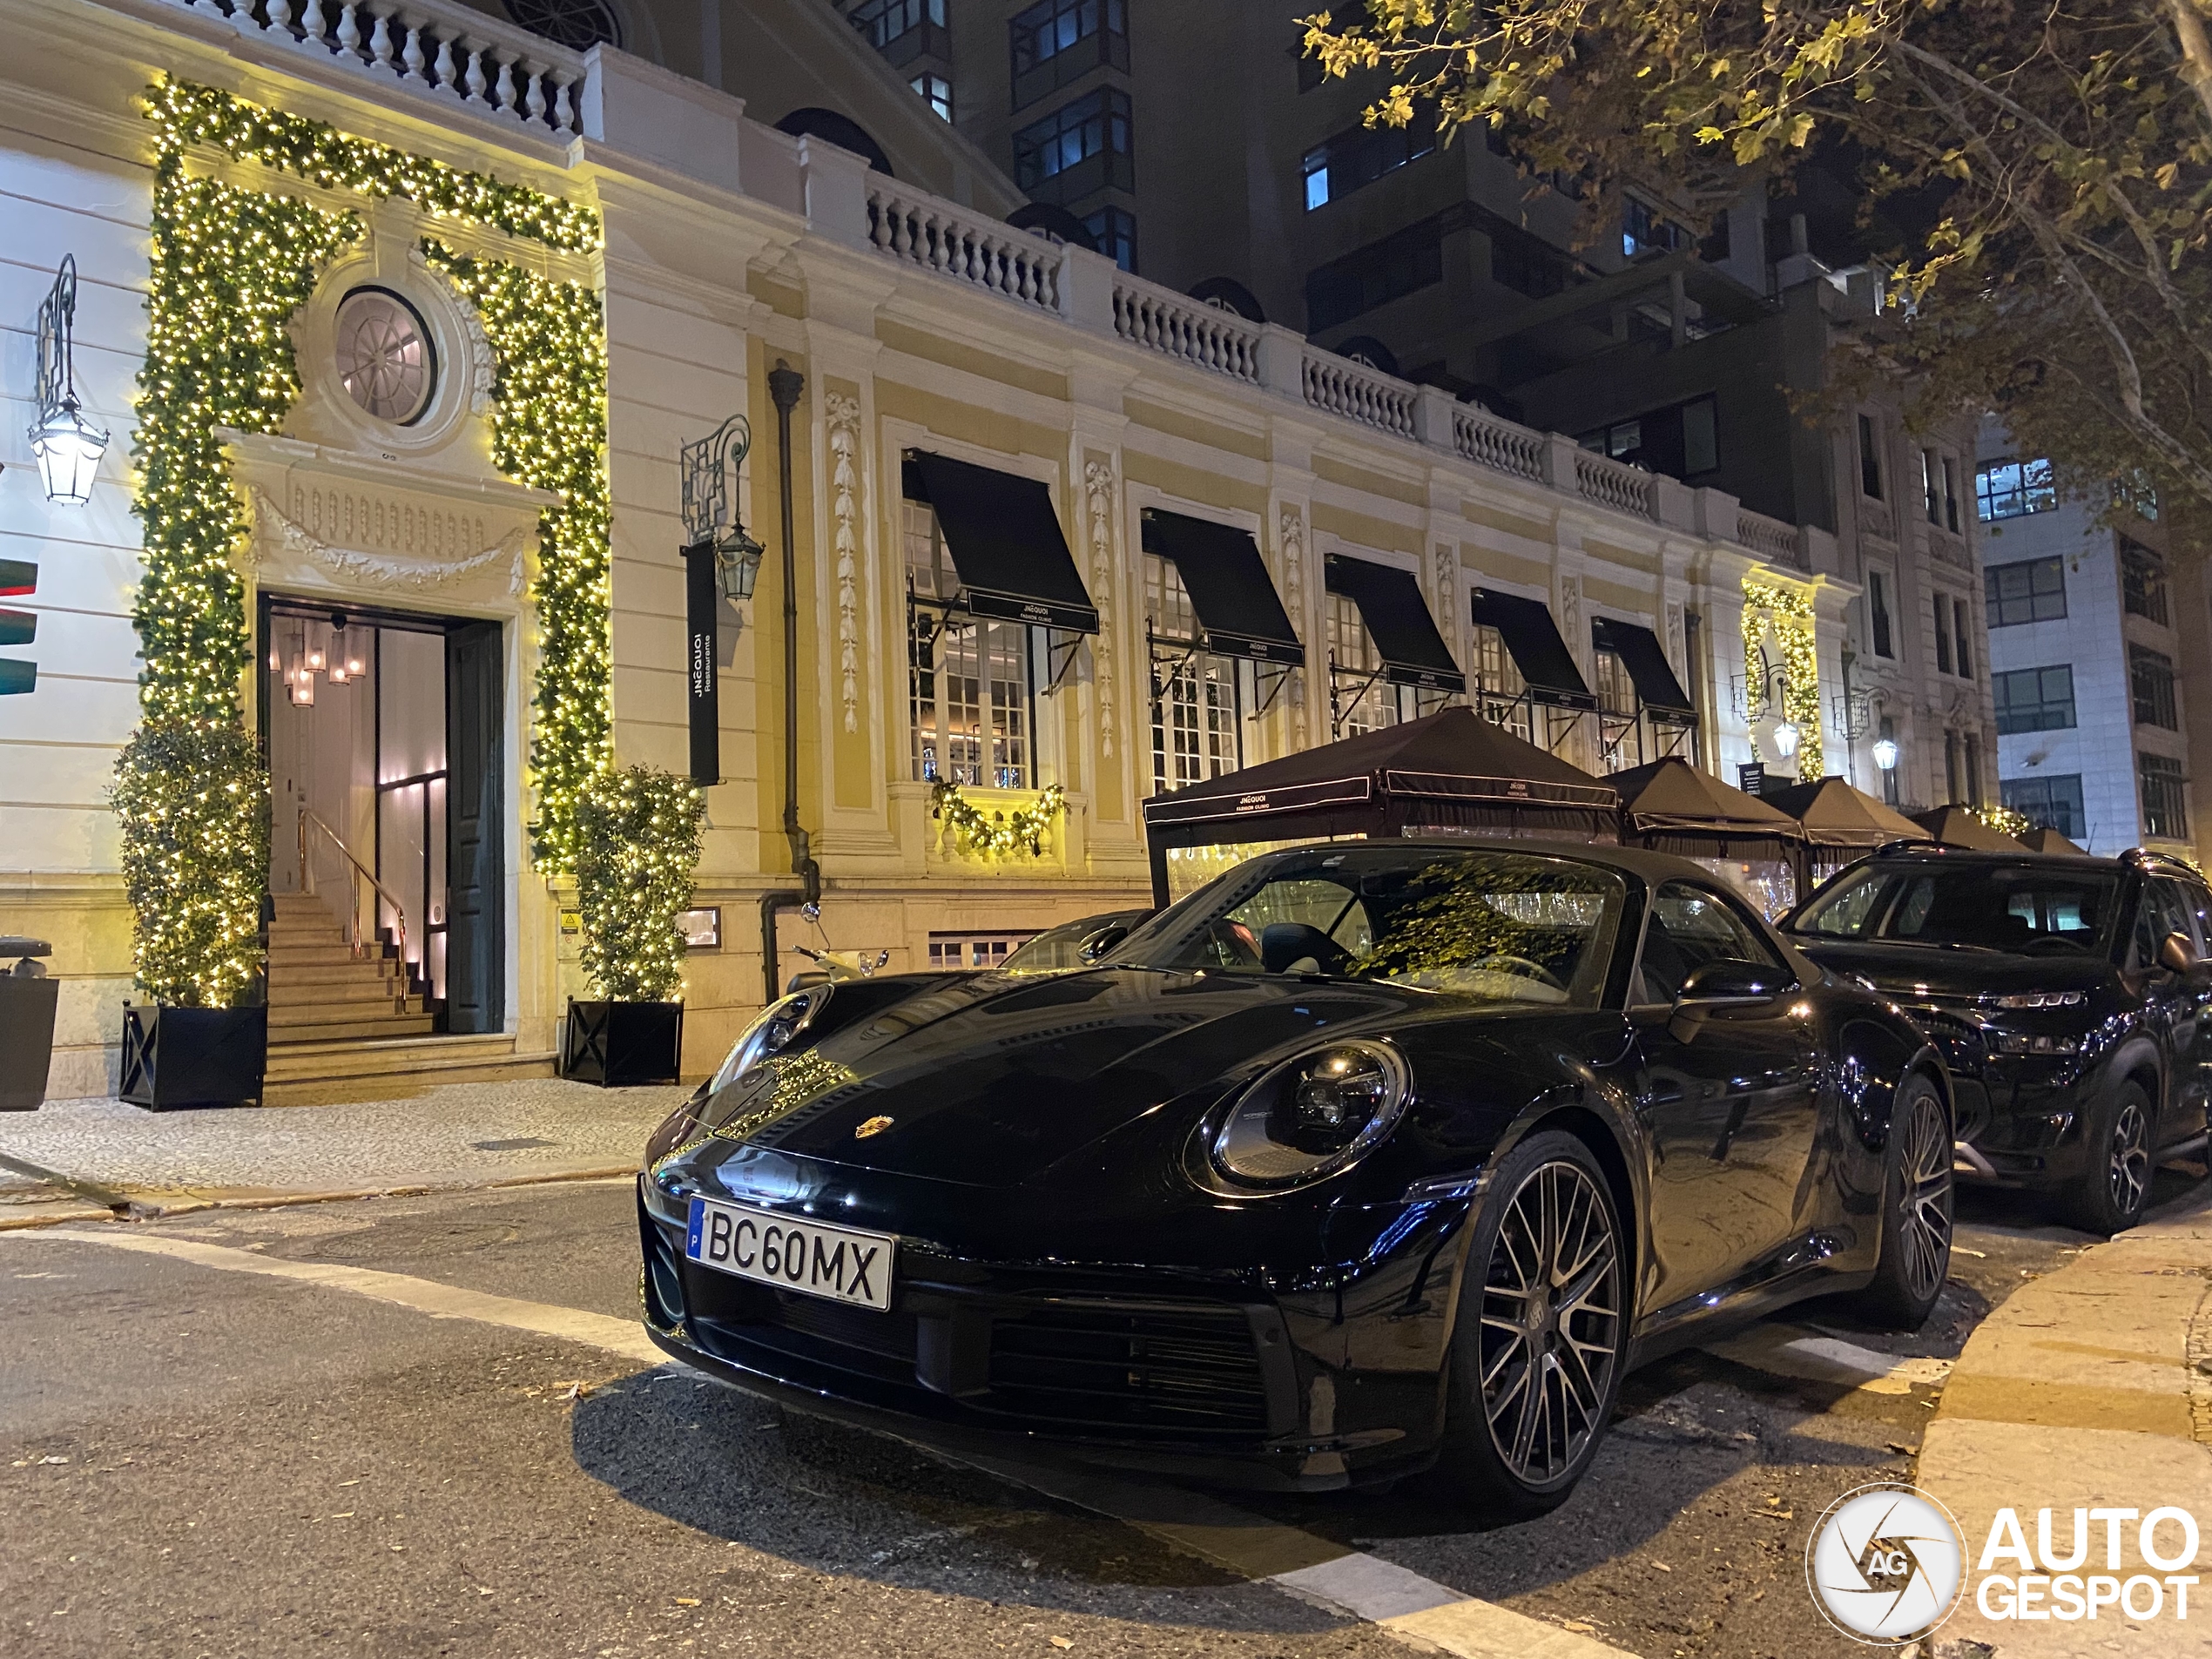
195,1460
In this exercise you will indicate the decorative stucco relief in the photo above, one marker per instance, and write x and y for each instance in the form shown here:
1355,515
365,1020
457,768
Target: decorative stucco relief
388,542
843,413
1290,537
1098,488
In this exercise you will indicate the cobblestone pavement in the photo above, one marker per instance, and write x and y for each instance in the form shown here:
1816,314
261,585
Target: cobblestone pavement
455,1134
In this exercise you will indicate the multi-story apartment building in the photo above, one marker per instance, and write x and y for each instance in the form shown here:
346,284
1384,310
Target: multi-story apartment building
2086,652
1011,464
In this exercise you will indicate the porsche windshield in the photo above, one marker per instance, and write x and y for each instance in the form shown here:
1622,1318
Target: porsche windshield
1505,926
2036,909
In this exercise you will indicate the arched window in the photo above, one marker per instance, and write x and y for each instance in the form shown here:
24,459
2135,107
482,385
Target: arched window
578,24
840,130
1230,295
1054,221
1366,348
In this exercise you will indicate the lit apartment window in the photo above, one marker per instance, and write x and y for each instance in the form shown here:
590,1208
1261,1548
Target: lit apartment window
1055,41
1114,230
1362,155
1870,460
1196,733
1643,231
2150,678
2055,803
2142,583
1080,147
936,91
2166,809
2033,699
2013,488
1877,611
969,689
2031,591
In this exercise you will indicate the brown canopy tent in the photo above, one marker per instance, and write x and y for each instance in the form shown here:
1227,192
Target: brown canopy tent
1671,806
1451,770
2042,839
1840,822
1956,826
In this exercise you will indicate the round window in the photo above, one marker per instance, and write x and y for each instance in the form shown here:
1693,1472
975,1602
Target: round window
578,24
385,358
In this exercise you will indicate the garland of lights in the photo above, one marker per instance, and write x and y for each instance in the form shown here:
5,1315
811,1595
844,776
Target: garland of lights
1022,829
1792,615
2006,820
230,268
321,155
549,429
639,833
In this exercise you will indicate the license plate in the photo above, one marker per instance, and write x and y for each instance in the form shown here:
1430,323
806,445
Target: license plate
840,1263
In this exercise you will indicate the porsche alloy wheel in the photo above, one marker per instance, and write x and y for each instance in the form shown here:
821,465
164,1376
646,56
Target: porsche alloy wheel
1550,1336
1923,1227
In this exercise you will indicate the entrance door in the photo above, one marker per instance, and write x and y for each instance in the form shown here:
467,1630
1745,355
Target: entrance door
475,929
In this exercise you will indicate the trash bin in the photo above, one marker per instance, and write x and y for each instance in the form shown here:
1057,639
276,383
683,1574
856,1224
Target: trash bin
26,1023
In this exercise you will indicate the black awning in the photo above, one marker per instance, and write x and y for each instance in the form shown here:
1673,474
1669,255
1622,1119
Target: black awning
1390,602
1654,677
1531,640
1238,612
1005,541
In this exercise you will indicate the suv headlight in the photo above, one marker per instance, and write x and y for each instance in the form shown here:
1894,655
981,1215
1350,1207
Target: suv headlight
1310,1117
773,1029
2016,1000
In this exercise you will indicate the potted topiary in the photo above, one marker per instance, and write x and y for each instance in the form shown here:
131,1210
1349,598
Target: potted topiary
193,800
638,842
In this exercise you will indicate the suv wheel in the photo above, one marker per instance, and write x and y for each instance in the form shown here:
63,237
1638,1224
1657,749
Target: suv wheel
1916,1212
2117,1184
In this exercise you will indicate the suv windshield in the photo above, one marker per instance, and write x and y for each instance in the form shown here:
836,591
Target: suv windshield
1505,927
2035,909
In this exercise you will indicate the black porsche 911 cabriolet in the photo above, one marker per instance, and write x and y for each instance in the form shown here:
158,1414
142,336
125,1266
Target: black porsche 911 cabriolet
1364,1156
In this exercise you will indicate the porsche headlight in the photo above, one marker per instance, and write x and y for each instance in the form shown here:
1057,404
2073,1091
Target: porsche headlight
1311,1115
773,1029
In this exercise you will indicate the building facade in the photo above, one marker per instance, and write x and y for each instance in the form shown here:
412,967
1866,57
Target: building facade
454,549
2085,658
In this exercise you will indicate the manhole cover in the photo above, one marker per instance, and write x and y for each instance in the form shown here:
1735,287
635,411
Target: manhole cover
515,1145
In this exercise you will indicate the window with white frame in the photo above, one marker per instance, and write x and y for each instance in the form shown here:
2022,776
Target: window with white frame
1196,733
1353,656
1495,683
971,694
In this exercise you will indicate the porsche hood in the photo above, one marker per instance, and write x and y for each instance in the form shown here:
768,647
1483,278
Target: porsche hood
990,1080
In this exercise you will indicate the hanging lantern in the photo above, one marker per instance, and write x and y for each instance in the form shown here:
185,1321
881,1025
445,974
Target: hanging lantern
1885,753
68,446
1785,739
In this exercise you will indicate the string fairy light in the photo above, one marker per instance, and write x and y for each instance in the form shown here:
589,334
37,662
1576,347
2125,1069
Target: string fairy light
639,830
231,265
1024,829
1790,614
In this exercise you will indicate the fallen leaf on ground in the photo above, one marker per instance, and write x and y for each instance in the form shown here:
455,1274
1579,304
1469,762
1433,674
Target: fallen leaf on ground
1900,1449
1060,1642
574,1391
1978,1255
687,1601
1580,1627
1663,1567
53,1459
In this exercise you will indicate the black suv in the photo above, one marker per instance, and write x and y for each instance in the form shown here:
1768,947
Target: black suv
2071,997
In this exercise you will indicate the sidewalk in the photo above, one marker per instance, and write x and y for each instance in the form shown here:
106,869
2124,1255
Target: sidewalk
2087,1387
96,1154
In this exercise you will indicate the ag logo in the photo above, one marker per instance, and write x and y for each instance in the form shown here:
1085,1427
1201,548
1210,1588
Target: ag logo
874,1126
1886,1564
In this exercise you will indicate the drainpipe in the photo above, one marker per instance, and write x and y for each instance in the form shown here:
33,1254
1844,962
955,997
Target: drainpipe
784,386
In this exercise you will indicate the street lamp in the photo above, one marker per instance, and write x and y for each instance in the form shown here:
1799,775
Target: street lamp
1885,753
68,446
1785,738
710,467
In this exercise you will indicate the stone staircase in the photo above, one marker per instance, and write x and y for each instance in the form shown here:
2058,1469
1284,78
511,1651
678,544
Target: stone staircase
347,1027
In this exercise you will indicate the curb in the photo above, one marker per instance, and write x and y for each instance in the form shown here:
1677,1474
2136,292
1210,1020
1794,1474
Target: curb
2083,1389
126,1205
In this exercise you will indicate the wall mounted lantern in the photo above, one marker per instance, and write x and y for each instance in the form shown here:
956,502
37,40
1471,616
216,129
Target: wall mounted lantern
1785,738
68,446
1885,753
709,469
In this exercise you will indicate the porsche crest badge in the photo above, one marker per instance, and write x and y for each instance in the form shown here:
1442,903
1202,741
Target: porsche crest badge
874,1126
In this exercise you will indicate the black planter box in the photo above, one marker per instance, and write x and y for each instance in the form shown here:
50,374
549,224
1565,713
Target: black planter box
620,1045
174,1058
26,1040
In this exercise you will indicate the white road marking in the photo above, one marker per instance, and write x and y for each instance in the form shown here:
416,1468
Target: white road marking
1784,1350
1302,1563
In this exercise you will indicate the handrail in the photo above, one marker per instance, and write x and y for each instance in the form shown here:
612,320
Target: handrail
307,880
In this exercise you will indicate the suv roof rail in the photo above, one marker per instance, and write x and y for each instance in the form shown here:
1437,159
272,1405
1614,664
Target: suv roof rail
1910,843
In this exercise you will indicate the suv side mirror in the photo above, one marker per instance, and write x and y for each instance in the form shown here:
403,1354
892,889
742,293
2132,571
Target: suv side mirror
2177,956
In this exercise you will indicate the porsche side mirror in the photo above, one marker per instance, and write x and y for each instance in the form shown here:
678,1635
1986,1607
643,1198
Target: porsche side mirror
1718,984
1096,945
2177,956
